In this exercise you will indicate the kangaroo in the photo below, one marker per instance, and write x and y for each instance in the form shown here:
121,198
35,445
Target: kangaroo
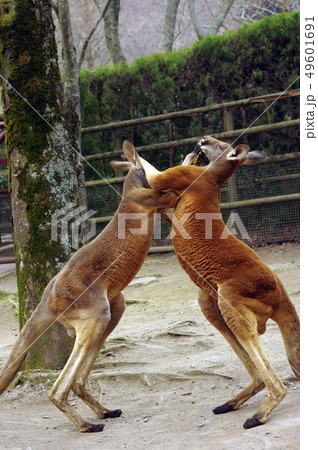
86,295
238,292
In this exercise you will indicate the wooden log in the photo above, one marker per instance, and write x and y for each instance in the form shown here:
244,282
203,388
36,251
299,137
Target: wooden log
269,160
228,122
103,182
161,249
292,176
192,141
232,205
6,247
281,158
189,112
261,201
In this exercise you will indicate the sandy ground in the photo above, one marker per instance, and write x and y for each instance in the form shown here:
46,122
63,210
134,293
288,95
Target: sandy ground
166,367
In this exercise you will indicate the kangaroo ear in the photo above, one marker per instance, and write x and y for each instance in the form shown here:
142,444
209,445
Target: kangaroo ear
239,153
254,157
191,159
131,154
121,165
242,152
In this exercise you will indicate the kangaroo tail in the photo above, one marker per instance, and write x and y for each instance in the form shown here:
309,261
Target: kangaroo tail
40,319
288,321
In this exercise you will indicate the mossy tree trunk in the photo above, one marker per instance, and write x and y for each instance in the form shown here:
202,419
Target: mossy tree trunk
41,129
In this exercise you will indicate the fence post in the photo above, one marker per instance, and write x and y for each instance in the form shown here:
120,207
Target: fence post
117,145
228,122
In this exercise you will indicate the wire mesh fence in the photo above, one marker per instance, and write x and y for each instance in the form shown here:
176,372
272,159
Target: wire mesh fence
264,198
275,216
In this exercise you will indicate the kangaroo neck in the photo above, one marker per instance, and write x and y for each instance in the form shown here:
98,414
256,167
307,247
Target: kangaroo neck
198,221
131,231
131,225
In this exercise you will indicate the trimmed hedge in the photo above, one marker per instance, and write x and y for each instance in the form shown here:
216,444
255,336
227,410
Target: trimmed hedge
256,59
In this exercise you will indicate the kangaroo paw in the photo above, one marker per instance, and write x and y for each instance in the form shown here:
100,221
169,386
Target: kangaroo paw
251,423
112,414
223,409
94,428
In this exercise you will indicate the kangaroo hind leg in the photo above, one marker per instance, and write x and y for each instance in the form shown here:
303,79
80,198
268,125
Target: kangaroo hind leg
117,308
210,308
89,331
243,323
286,317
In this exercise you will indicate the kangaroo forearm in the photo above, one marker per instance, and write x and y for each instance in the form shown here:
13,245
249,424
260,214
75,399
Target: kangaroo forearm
174,179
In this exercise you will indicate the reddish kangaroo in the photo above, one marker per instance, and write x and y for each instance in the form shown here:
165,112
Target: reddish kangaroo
86,295
238,292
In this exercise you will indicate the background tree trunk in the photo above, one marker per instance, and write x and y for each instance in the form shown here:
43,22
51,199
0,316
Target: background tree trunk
223,12
70,69
43,168
195,20
111,25
167,38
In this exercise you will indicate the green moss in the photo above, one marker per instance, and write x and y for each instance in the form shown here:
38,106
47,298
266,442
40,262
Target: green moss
7,12
10,299
35,378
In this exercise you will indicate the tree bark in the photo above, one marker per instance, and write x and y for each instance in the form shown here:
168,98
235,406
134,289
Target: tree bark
194,18
71,70
69,61
93,29
167,38
41,139
111,25
223,12
217,22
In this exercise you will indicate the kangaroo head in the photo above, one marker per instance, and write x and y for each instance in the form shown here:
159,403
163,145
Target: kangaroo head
221,158
135,164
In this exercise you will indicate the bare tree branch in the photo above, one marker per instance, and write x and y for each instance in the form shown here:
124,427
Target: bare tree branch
194,18
111,31
92,31
55,8
167,37
71,83
111,24
69,62
223,12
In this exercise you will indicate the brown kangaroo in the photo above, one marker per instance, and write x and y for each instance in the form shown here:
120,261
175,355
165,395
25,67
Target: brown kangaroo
85,296
238,292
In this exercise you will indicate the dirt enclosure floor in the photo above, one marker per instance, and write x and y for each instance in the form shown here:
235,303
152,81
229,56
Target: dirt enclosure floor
166,367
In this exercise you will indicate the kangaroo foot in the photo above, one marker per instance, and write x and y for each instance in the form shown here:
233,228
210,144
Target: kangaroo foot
112,414
223,409
251,423
93,428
